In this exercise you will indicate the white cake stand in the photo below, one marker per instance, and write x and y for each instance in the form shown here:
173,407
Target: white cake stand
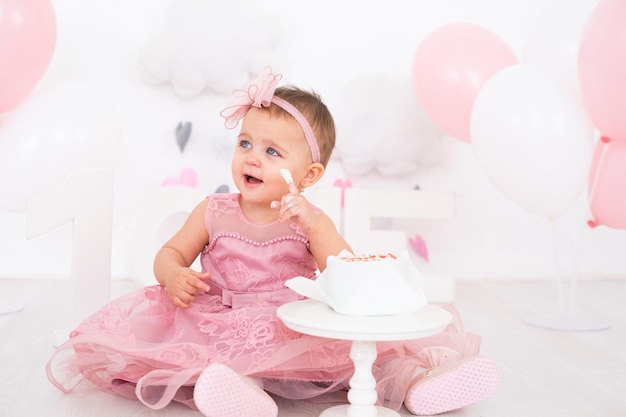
318,319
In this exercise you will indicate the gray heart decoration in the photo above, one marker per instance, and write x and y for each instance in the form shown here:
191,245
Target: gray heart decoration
183,131
223,189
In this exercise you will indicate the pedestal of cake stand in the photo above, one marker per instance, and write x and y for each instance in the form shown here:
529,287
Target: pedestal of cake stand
362,395
318,319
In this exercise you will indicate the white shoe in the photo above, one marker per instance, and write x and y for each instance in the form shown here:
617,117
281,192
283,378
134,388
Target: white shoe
221,392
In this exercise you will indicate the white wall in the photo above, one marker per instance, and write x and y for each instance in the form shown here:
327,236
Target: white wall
325,44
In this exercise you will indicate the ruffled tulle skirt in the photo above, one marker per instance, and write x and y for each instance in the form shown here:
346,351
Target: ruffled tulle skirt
142,347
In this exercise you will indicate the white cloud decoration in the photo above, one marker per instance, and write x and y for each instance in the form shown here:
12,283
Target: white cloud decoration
209,44
382,128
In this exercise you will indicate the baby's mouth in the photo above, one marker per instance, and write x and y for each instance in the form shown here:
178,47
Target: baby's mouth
252,180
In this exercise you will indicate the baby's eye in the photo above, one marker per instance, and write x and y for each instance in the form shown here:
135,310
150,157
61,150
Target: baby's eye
272,152
244,144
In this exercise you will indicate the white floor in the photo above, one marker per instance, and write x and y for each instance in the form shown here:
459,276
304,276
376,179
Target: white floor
543,372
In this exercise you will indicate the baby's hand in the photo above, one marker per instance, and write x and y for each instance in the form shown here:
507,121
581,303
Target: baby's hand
295,206
184,284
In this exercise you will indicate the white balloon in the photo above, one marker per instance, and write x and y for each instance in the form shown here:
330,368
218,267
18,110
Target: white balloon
533,139
553,40
51,134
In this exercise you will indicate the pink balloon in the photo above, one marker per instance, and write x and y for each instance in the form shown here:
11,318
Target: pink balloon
27,39
449,68
602,67
607,184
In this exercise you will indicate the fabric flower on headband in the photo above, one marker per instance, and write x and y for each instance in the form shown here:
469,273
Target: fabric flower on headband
261,94
258,94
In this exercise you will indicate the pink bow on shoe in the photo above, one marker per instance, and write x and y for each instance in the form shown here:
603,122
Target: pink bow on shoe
436,356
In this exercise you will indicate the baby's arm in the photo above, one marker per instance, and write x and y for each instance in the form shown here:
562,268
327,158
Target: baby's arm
172,261
325,240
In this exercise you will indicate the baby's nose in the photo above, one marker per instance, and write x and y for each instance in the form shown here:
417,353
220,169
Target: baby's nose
253,159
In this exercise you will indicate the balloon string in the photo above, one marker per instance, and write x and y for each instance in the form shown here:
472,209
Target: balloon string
559,277
594,183
577,255
566,305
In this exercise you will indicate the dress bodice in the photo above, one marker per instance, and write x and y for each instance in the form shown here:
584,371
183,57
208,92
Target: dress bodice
247,257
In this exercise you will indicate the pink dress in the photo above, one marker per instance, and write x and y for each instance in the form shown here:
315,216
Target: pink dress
143,347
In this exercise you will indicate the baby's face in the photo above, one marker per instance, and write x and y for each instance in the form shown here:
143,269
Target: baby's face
265,145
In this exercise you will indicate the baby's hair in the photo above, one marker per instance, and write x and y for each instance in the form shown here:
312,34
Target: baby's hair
315,111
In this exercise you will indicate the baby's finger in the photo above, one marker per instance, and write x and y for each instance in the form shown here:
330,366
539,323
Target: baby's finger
289,203
204,275
293,189
183,304
188,297
200,275
178,302
201,286
286,174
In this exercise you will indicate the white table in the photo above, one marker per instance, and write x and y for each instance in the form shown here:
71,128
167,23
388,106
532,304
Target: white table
318,319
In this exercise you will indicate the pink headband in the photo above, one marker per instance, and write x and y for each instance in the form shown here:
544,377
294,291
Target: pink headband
261,94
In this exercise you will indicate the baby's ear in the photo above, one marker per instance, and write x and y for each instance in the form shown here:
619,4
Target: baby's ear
313,174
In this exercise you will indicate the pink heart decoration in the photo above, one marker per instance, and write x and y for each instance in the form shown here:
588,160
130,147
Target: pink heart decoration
343,184
419,246
187,177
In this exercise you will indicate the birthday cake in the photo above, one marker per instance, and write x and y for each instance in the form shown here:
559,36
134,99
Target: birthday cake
366,285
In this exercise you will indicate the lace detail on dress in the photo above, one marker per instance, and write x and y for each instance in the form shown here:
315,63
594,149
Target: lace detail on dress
237,272
223,206
237,333
297,229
